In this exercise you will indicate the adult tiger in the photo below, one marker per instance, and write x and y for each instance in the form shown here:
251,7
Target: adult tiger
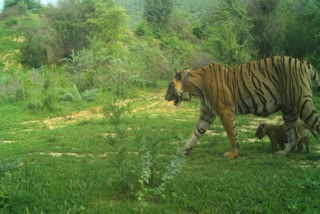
260,87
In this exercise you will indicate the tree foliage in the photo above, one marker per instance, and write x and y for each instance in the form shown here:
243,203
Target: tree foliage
42,45
68,19
30,5
229,39
109,33
303,34
269,19
157,12
92,35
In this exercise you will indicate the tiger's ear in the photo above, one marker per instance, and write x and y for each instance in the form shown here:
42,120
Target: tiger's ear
177,75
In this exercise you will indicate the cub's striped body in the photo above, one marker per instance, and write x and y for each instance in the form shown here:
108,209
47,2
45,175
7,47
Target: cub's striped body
260,87
277,135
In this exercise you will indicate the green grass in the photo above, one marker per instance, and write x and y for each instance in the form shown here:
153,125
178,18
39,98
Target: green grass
88,166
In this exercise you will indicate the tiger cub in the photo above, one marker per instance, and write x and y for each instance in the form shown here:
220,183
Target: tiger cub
277,135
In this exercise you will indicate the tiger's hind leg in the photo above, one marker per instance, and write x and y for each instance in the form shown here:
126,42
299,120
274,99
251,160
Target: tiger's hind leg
310,117
230,125
290,123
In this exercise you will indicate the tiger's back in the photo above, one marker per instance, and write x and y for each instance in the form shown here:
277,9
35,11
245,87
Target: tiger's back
261,87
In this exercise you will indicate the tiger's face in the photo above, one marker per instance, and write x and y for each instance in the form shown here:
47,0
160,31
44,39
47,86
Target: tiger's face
175,90
261,130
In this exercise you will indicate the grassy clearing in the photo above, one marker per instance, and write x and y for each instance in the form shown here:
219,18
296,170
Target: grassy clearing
79,161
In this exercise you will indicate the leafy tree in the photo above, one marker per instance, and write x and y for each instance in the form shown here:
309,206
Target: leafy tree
31,5
37,41
269,19
134,9
14,10
68,18
103,63
42,44
157,12
229,40
108,27
302,36
181,25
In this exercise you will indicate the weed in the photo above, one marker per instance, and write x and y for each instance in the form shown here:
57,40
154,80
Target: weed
3,197
147,187
2,170
309,184
6,172
114,111
173,169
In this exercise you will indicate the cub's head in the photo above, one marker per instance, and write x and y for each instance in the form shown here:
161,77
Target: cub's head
176,87
261,130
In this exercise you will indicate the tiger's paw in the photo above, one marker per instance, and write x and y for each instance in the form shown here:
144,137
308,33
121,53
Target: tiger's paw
230,155
184,151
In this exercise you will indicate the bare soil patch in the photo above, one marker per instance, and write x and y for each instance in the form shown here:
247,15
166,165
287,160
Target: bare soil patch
58,122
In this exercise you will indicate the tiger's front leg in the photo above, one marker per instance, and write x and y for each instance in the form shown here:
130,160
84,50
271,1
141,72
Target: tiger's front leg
206,118
230,125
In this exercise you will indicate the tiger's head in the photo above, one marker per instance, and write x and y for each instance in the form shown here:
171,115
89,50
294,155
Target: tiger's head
176,88
261,130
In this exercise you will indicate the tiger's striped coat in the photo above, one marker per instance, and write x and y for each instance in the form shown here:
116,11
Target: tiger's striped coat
260,87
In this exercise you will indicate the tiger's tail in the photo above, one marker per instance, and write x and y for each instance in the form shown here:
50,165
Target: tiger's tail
305,126
312,73
309,115
307,111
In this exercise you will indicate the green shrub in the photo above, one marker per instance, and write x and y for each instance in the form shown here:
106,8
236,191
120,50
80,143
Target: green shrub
144,30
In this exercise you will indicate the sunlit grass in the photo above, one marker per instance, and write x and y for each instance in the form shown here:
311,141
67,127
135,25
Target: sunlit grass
79,165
